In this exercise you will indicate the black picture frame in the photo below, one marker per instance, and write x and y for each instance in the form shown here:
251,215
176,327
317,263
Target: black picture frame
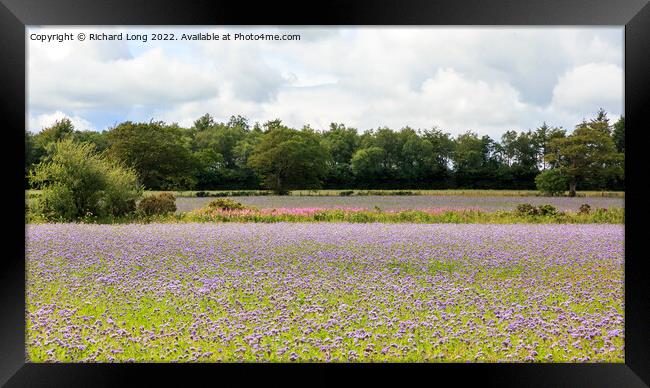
15,15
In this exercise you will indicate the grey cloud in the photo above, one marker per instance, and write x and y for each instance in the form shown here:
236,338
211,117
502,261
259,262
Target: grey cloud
256,84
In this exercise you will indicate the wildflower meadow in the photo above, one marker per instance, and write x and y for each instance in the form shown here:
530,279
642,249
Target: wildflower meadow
336,292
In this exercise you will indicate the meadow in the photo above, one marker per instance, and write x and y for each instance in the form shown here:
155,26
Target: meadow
406,202
338,292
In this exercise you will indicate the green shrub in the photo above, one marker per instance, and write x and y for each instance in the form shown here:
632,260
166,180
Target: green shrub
551,182
160,204
526,209
361,217
122,191
547,210
225,204
56,203
608,216
77,183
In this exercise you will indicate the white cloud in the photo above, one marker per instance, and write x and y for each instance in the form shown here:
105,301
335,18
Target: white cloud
104,74
588,86
36,123
484,79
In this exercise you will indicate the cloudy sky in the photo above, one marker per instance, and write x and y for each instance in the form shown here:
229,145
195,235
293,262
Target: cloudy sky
487,79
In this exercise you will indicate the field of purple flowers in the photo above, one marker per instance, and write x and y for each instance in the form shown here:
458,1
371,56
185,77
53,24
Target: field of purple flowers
324,292
487,203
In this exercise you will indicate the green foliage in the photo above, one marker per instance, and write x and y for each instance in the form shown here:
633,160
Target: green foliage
204,122
158,153
76,182
287,159
235,155
530,215
60,130
29,155
542,138
475,162
526,209
619,134
57,203
36,146
340,143
551,182
588,154
122,190
225,204
368,164
160,204
547,210
222,151
601,215
98,139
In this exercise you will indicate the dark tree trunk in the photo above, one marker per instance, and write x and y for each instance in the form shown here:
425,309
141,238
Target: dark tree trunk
572,188
278,182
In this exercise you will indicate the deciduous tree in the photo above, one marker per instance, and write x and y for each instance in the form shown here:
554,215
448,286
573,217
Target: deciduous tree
287,159
588,154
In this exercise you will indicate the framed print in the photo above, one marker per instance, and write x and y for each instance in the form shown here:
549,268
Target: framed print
376,189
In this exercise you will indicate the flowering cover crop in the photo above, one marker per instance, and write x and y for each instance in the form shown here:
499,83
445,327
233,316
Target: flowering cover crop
488,203
324,292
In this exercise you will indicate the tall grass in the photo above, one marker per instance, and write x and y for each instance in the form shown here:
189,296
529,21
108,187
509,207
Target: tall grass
455,216
434,216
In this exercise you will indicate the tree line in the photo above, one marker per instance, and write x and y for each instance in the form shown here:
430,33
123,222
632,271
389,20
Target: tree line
214,155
